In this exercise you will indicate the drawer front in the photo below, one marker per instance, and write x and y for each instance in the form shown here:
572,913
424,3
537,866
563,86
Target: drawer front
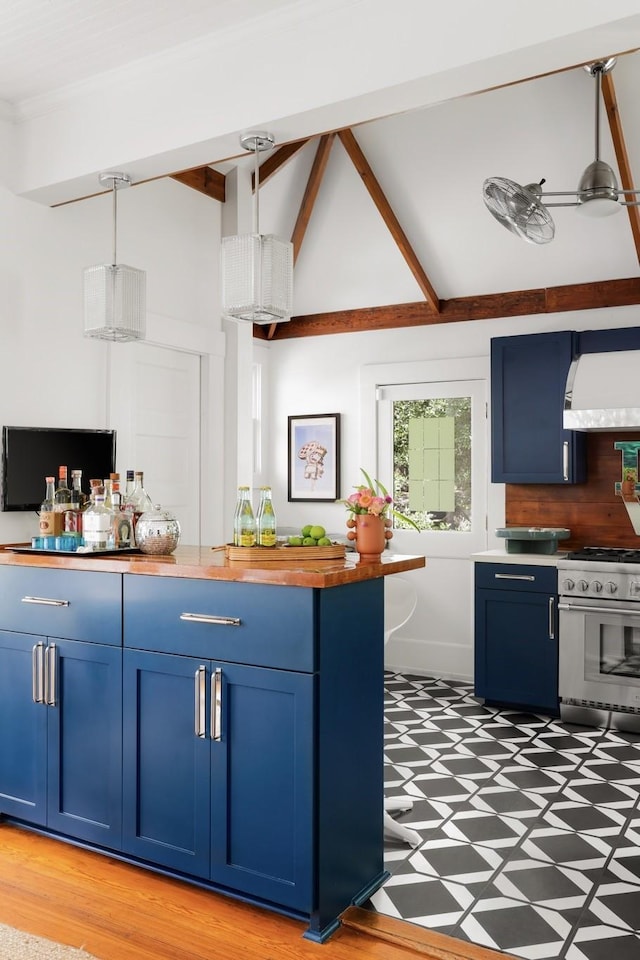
258,624
71,604
517,576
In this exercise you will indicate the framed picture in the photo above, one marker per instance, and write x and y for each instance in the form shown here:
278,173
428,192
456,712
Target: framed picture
314,457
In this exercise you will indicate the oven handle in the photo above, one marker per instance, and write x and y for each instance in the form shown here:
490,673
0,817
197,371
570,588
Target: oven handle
583,608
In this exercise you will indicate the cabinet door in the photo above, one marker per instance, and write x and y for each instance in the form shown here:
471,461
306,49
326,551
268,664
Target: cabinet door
516,648
528,380
23,731
261,782
166,794
85,740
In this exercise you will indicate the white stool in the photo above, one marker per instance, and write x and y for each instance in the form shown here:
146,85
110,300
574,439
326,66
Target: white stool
400,601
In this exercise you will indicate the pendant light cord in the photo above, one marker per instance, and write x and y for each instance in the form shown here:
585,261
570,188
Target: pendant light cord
115,221
598,73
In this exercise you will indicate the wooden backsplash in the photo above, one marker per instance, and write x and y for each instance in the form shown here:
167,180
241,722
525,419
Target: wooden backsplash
592,511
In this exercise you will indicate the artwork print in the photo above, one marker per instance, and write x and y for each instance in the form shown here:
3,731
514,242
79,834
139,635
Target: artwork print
314,457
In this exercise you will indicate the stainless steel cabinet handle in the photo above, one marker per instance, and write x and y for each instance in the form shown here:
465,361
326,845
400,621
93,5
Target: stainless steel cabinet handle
46,601
37,673
200,696
552,618
206,618
216,704
613,609
565,460
50,692
514,576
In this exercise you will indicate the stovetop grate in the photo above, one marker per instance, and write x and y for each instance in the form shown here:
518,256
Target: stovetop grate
607,554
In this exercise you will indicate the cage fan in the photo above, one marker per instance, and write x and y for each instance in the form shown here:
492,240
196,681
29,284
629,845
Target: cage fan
519,208
522,209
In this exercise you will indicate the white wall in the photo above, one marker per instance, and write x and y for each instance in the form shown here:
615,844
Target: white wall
50,375
322,375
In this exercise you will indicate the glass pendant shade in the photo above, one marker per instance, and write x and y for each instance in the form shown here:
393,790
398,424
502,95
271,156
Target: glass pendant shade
257,278
115,302
114,294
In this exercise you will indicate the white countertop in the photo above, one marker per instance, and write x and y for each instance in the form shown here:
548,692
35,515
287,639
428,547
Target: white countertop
501,556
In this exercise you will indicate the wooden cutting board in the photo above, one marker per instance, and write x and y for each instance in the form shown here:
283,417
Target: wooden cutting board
283,554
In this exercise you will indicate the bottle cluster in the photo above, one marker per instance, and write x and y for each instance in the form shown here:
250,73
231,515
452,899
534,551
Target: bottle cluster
249,529
104,519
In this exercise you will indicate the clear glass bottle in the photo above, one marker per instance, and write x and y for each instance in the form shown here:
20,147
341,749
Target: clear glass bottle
139,502
62,499
73,516
244,534
266,520
98,525
122,517
128,489
50,519
77,493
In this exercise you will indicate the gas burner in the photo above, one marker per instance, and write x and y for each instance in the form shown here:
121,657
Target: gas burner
607,554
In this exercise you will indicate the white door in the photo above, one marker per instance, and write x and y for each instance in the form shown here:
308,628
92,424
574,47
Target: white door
155,408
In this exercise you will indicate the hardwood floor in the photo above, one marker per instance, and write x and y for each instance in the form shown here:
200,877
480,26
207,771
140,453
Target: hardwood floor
120,912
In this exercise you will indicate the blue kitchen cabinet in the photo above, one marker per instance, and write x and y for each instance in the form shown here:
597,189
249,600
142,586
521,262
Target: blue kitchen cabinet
516,635
253,755
228,795
60,735
528,380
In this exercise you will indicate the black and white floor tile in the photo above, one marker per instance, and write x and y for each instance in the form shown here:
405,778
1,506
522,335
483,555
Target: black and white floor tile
530,827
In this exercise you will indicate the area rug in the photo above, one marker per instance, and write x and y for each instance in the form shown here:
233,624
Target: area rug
17,945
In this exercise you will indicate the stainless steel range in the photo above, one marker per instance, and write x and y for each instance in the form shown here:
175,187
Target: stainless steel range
599,652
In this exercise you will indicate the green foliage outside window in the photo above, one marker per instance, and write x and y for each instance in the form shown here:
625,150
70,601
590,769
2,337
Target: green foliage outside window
404,411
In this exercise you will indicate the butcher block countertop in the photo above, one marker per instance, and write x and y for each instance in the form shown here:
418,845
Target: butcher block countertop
210,563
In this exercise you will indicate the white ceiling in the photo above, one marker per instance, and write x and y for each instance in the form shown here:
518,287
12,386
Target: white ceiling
49,44
437,104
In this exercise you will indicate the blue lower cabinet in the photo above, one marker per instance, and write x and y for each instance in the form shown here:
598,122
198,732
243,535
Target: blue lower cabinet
218,773
516,636
61,735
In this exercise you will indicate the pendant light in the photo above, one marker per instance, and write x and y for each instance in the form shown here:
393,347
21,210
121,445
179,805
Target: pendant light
114,294
257,271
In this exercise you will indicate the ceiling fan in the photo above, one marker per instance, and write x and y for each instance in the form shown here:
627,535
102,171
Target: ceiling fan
522,210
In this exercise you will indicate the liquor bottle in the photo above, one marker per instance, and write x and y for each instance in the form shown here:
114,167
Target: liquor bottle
50,519
62,499
128,490
107,493
122,518
73,516
139,502
244,534
98,526
266,519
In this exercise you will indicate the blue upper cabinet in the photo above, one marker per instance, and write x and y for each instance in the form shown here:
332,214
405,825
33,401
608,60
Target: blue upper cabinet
528,442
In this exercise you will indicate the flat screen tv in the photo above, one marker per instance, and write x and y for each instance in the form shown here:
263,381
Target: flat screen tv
29,454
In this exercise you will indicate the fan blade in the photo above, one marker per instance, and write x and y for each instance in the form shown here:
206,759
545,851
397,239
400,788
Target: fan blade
518,209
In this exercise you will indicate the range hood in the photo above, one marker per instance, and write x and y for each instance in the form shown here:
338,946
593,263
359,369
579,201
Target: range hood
603,392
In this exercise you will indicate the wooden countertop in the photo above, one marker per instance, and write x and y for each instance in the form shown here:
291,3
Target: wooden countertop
210,563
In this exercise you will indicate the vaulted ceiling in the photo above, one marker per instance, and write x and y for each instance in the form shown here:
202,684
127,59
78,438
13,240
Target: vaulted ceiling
386,213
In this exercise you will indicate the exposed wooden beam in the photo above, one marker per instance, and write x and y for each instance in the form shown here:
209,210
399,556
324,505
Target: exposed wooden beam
517,303
311,192
276,160
205,180
617,133
308,200
377,195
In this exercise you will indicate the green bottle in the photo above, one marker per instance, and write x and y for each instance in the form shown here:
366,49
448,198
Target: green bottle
266,519
244,533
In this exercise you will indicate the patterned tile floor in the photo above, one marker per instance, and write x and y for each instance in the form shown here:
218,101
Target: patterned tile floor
530,827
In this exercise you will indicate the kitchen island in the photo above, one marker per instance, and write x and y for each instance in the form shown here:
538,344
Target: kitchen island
215,721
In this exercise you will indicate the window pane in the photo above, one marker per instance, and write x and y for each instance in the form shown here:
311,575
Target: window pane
432,462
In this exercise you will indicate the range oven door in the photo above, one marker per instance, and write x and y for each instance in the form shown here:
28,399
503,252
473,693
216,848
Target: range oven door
599,654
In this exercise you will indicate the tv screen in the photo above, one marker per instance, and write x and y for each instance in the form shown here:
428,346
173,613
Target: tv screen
29,454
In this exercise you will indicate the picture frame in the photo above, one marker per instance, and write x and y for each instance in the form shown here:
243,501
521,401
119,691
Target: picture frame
314,457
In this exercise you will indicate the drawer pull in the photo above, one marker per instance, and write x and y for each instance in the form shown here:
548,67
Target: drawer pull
552,618
216,705
46,602
200,694
207,618
514,576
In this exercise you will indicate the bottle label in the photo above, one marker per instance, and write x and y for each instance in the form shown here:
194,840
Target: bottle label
267,538
247,538
50,523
